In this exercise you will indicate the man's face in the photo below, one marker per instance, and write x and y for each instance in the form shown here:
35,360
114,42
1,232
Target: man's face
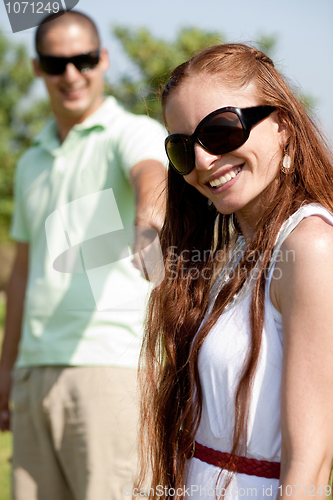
73,95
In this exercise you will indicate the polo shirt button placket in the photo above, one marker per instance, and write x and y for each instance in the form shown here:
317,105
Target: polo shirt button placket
60,163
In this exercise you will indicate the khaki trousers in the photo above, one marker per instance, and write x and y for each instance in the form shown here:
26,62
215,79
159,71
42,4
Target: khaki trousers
74,433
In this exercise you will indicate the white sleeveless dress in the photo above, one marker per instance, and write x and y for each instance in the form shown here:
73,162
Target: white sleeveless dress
220,360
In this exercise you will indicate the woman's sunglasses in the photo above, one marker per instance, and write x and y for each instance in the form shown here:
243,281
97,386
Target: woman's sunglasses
53,65
220,132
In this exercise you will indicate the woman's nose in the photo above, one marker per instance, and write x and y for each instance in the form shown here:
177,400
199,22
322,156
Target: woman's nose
203,159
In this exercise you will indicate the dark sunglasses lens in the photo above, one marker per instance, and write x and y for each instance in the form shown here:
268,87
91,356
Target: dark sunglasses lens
52,65
222,133
86,61
57,65
180,154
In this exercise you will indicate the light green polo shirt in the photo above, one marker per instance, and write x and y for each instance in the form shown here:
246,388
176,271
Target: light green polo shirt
69,197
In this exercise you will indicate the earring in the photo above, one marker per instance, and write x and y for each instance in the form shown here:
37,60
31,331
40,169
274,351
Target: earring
210,203
286,164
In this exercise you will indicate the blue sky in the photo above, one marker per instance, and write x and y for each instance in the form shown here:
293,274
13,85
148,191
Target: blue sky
304,29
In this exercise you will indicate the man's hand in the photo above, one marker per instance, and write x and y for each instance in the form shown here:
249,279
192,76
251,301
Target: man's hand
147,254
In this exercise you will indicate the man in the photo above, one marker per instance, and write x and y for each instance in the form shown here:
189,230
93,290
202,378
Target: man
93,171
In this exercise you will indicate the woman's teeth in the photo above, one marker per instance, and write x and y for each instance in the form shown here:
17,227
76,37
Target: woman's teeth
225,178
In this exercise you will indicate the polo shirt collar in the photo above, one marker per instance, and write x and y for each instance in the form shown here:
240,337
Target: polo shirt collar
101,117
48,138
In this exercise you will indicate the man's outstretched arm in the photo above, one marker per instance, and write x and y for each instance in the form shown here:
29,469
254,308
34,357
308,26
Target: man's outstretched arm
148,179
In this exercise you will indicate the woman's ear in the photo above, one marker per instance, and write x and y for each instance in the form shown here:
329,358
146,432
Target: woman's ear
283,130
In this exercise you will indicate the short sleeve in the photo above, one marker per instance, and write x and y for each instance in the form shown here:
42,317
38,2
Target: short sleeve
142,138
19,227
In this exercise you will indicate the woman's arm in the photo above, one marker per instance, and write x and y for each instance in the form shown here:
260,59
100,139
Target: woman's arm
304,296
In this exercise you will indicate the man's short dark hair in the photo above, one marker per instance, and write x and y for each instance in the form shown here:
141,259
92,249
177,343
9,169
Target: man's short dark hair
65,18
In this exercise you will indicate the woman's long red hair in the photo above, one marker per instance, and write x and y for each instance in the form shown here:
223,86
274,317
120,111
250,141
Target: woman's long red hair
172,396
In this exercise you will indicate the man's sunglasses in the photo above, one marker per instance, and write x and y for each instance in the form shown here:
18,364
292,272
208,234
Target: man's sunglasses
220,132
53,65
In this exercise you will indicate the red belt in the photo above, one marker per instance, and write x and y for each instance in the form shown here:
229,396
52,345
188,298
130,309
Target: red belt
242,465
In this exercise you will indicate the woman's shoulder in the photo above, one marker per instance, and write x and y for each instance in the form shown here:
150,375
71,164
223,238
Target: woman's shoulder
305,264
309,219
311,233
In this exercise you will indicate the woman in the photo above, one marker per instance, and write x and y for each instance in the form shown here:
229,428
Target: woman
227,411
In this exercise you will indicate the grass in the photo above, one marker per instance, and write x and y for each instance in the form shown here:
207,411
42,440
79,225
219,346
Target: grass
5,438
5,454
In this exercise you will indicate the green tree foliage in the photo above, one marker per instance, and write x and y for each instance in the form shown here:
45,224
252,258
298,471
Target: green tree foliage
15,79
17,126
154,59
